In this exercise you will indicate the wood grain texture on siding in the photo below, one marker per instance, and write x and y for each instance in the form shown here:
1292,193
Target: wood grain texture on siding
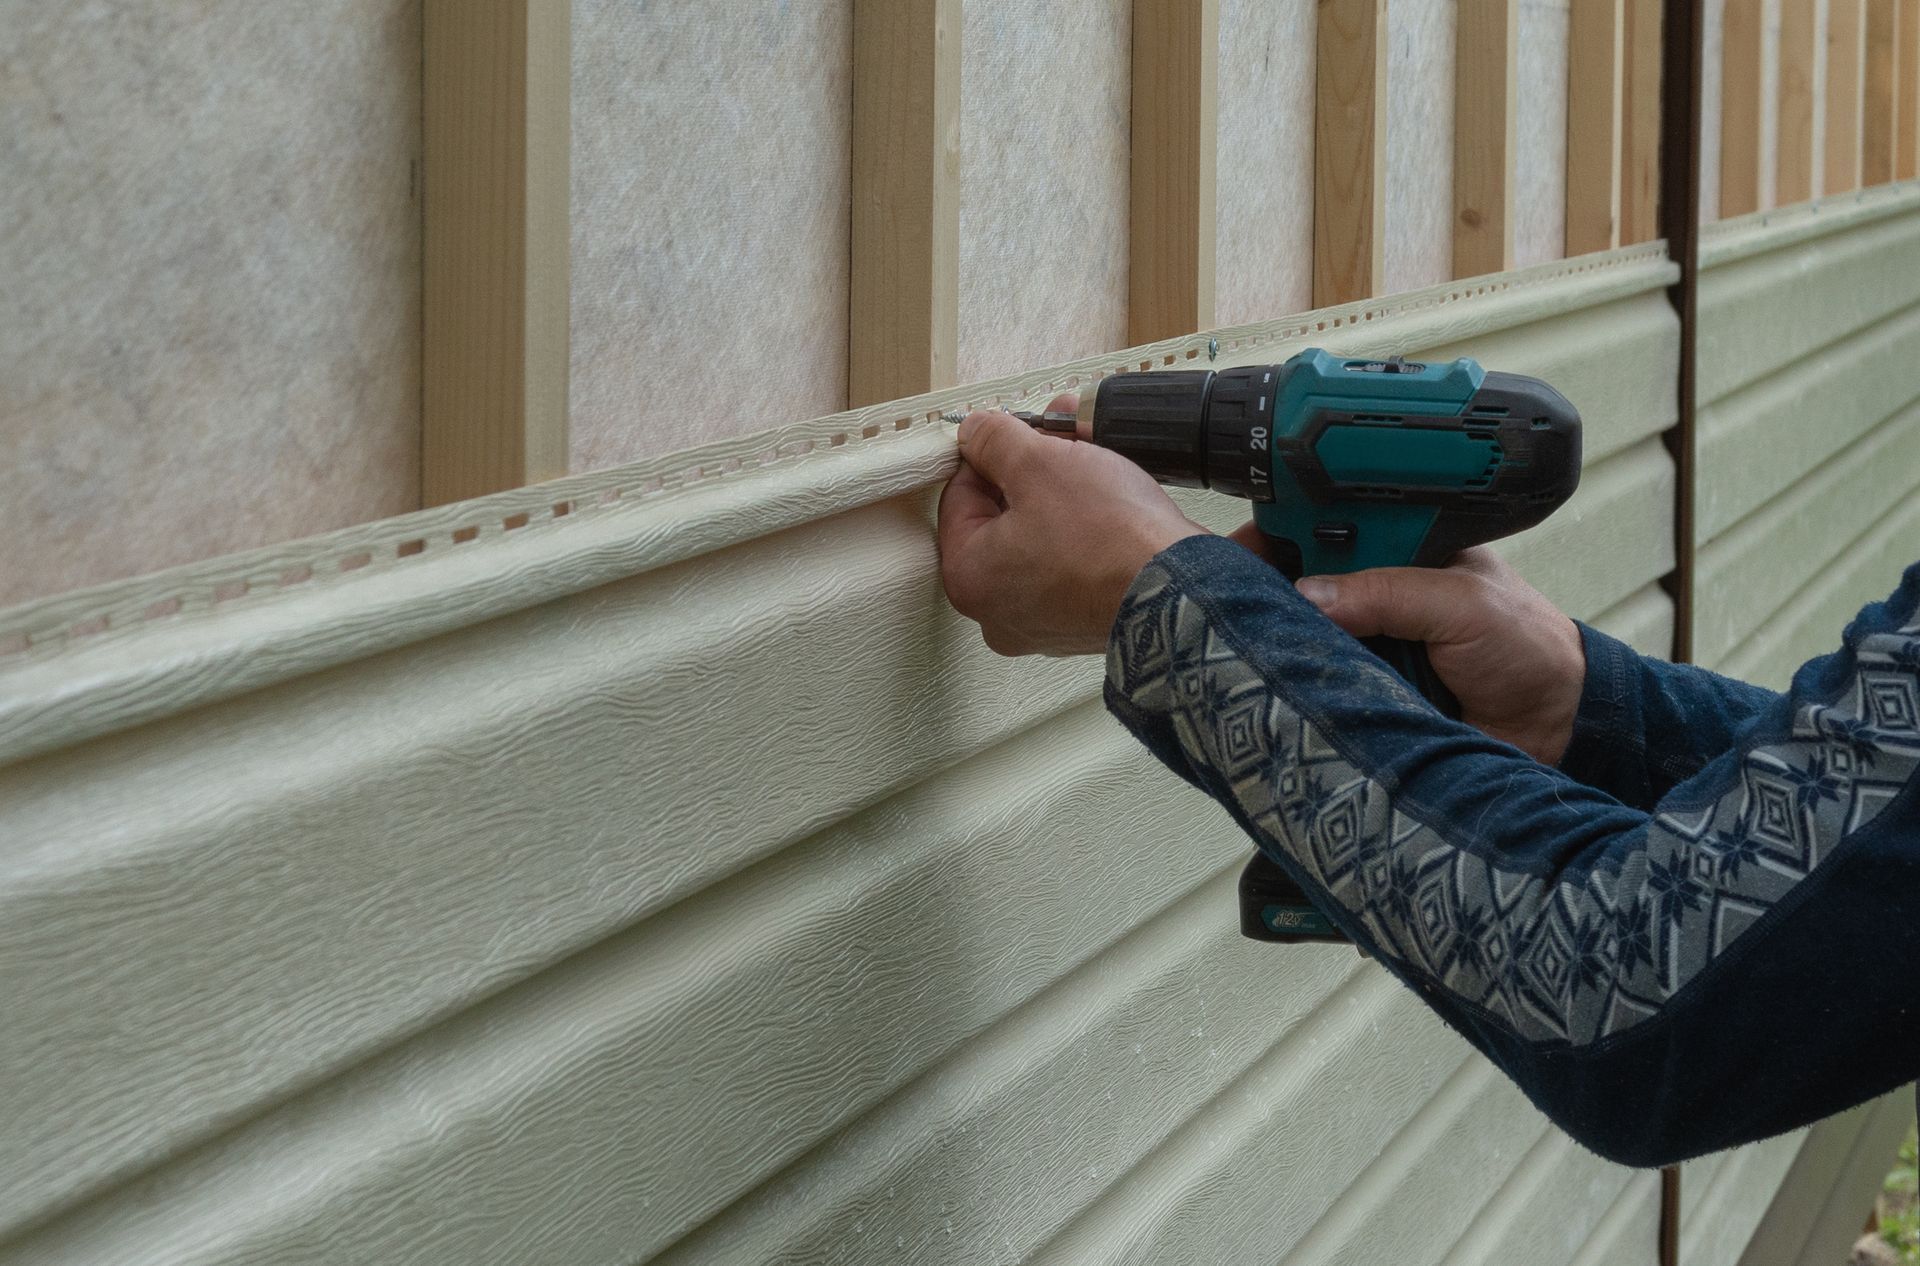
1758,315
491,1025
1264,245
549,1066
1799,526
210,234
1045,110
1840,1167
1725,1196
710,219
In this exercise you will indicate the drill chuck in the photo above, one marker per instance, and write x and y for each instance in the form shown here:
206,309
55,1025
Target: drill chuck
1193,428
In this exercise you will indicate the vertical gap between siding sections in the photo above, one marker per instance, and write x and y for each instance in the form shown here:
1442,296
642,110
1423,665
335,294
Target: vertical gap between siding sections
1595,62
1485,68
496,132
1349,151
1680,223
1172,184
903,284
1670,1216
1845,54
1793,169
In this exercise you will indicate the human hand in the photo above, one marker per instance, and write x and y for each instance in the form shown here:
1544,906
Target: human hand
1041,536
1512,659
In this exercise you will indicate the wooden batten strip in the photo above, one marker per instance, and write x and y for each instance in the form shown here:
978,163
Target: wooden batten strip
1793,147
1906,91
1641,94
1486,66
1176,53
1596,61
1876,115
1845,58
904,299
1349,151
496,120
1740,108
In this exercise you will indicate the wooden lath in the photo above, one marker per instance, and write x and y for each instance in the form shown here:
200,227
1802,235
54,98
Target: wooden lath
496,133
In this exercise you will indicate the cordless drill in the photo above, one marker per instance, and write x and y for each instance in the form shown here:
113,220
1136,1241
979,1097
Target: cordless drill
1350,464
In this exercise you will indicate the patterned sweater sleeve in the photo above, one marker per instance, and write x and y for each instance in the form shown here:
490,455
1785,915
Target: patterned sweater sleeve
1737,959
1644,725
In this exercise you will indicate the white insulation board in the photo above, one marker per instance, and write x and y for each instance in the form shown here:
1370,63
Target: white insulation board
712,150
210,319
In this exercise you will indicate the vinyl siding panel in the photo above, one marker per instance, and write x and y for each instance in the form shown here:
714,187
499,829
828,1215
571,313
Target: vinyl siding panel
1808,462
679,878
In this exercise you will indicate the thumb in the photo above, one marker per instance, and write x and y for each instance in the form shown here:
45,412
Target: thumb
1416,604
999,446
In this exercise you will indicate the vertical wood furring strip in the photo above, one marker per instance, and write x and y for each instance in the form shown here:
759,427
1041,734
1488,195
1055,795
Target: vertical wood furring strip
1641,97
496,129
1876,114
1349,151
1596,62
904,297
1906,92
1485,70
1172,183
1845,55
1740,77
1793,170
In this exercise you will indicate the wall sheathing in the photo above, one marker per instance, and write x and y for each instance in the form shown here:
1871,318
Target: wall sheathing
210,313
1808,456
650,865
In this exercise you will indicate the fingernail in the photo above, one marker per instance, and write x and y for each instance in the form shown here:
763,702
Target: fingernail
1321,593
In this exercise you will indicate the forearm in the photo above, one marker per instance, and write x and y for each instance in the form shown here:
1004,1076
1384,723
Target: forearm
1646,725
1590,948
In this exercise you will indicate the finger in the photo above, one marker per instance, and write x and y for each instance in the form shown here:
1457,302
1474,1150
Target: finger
1418,604
1001,447
1250,535
1482,561
967,504
1069,402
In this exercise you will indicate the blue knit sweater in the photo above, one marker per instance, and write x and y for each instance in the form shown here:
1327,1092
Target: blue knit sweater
1703,928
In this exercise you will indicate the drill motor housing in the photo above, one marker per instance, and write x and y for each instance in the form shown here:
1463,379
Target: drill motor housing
1354,463
1351,463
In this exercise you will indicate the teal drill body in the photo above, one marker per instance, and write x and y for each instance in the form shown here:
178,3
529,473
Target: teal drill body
1388,533
1351,464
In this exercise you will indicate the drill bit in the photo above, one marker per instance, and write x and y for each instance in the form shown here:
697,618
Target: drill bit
1061,422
